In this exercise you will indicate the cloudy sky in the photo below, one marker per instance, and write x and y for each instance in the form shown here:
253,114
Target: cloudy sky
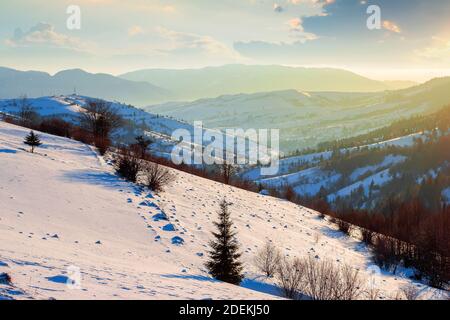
117,36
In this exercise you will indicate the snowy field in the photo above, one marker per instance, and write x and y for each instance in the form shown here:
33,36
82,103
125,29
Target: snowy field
63,208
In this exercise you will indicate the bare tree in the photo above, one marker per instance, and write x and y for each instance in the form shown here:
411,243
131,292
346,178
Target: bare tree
143,144
290,275
268,259
127,164
27,114
100,119
227,171
327,281
321,279
372,292
156,176
350,284
410,292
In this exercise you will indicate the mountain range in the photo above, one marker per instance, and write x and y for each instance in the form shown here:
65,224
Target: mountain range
191,84
154,86
14,83
306,119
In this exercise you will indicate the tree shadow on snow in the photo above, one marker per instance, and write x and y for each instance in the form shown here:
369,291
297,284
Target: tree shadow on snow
98,178
8,151
261,286
251,284
59,279
189,277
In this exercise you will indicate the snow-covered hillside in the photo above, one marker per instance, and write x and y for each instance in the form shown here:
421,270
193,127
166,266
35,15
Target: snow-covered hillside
310,174
68,106
306,119
64,208
159,128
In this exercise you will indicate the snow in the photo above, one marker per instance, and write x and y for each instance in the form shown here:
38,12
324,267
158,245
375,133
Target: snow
405,141
107,230
307,182
378,179
388,161
304,119
287,164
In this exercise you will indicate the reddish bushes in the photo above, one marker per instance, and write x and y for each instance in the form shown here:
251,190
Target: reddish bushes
409,233
56,127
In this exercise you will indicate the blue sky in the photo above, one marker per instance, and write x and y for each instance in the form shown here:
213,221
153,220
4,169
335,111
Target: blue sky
119,36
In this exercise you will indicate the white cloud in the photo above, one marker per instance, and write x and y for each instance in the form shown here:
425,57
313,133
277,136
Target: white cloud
206,44
44,34
297,32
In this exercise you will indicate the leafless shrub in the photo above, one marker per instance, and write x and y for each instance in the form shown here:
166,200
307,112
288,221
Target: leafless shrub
343,226
410,292
290,275
127,164
350,284
27,113
156,176
326,281
268,259
321,279
372,292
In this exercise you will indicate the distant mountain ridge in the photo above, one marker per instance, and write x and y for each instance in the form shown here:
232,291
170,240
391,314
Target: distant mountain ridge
14,83
191,84
306,119
154,86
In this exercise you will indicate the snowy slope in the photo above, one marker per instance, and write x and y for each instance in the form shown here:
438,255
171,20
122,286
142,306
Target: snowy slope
306,119
158,127
67,106
64,207
307,175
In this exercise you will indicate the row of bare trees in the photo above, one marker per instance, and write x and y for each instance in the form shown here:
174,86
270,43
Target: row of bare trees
312,278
